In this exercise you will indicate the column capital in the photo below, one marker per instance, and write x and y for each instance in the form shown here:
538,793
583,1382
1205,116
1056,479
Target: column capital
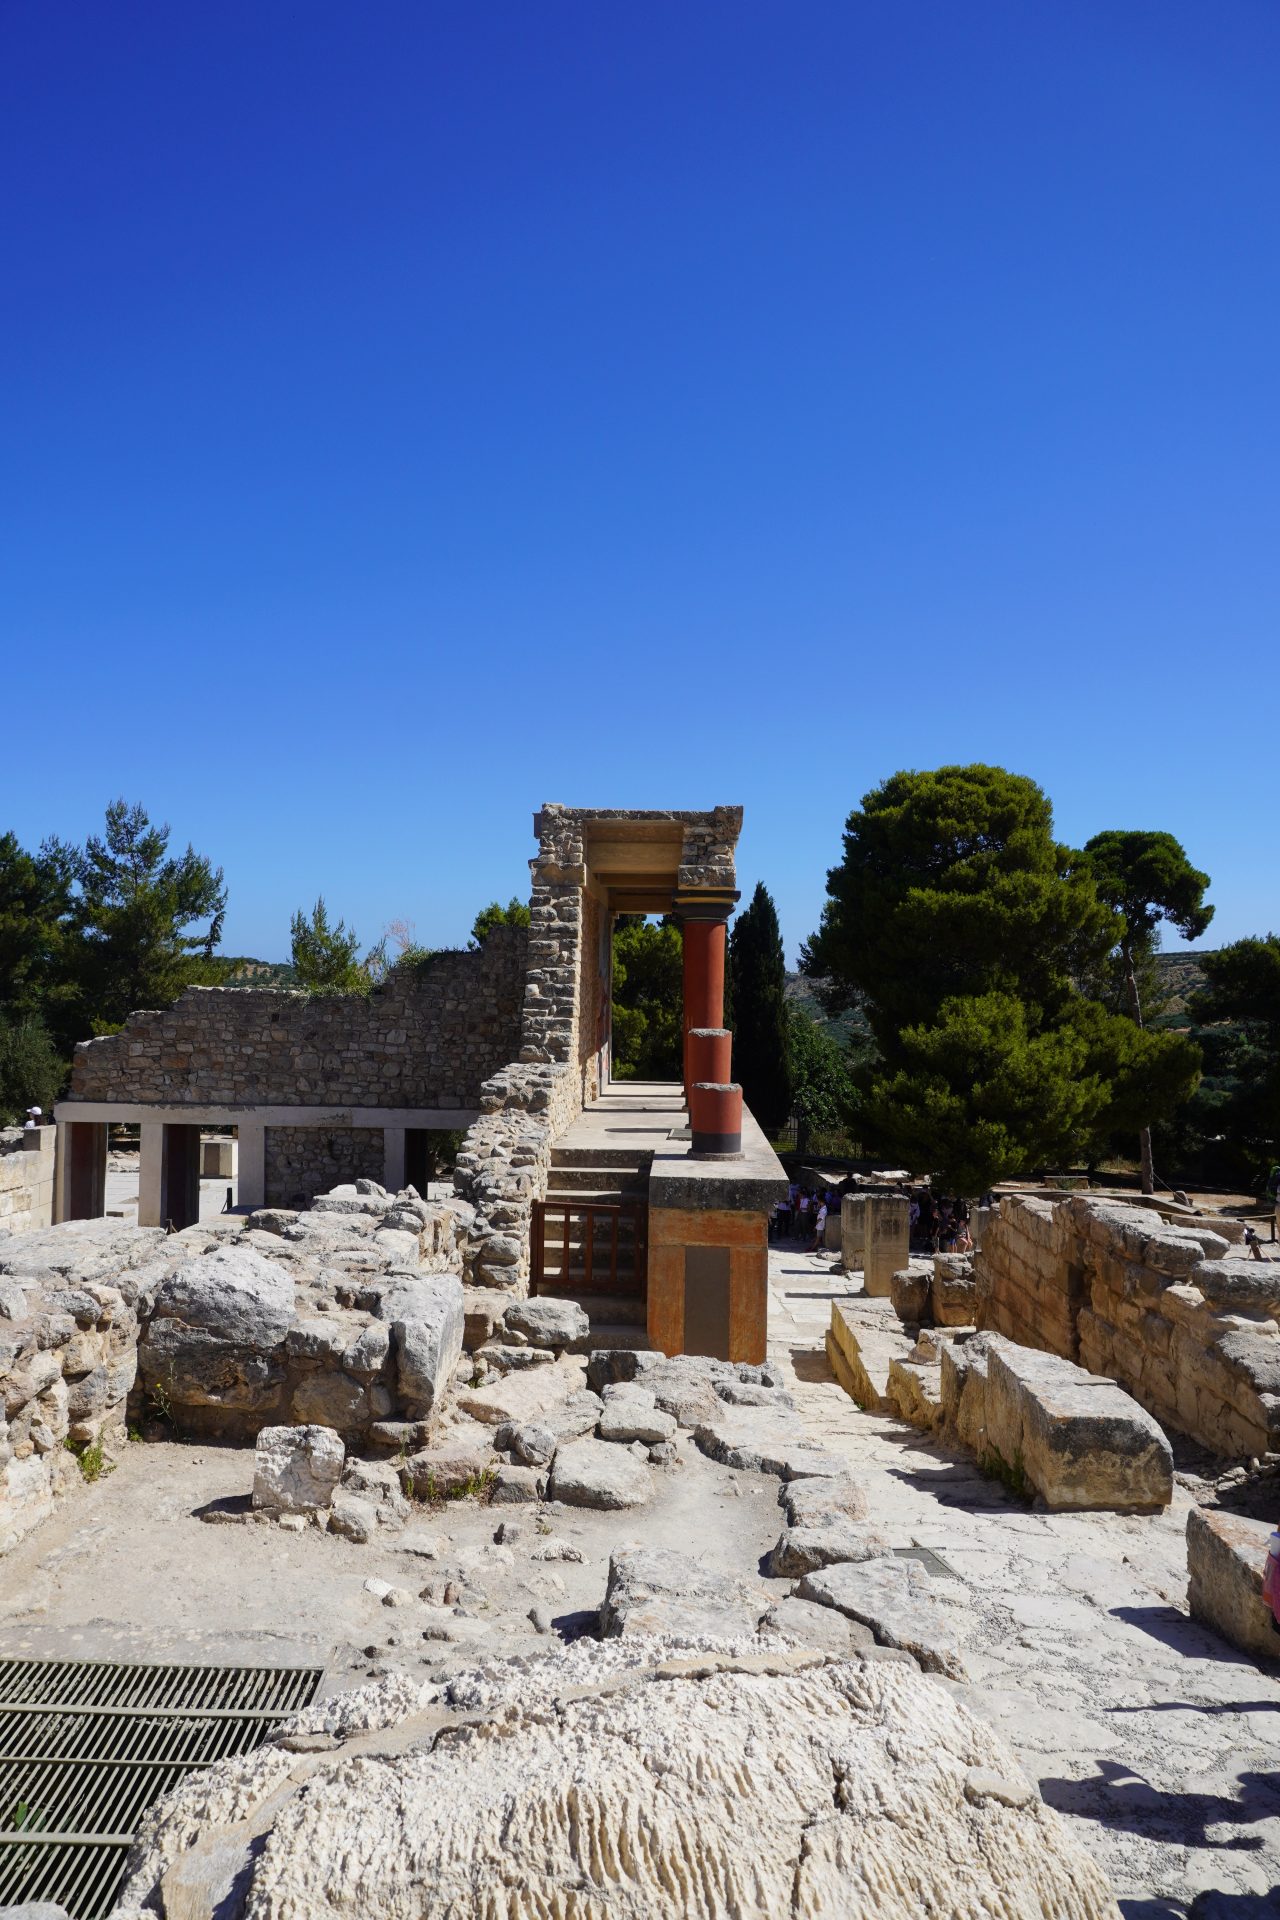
713,904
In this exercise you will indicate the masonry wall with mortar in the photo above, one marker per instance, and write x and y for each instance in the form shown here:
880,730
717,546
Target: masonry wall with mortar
427,1038
302,1161
1174,1313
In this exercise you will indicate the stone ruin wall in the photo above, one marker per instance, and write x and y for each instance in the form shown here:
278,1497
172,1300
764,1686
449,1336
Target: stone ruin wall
1172,1312
349,1315
26,1178
427,1038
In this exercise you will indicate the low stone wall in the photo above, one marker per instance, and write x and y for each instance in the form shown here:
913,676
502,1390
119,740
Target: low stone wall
503,1164
1174,1312
26,1178
1036,1421
301,1161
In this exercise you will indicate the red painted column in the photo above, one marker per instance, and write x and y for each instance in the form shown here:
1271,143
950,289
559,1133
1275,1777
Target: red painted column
704,951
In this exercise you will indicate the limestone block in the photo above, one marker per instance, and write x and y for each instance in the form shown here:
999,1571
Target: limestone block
426,1334
550,1323
1236,1283
1226,1559
630,1413
963,1387
802,1550
677,1794
591,1473
954,1291
910,1290
915,1392
1082,1442
887,1247
296,1468
656,1590
852,1230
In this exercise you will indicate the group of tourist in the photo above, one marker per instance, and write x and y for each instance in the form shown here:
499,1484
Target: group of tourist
940,1223
803,1216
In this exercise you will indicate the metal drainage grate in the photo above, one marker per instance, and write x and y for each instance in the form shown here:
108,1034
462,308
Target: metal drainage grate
87,1746
933,1563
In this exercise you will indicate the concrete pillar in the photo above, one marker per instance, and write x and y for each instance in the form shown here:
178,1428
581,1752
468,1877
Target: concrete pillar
252,1190
852,1230
393,1158
887,1240
151,1174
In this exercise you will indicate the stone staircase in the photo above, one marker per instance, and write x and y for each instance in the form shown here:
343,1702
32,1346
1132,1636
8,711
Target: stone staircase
613,1292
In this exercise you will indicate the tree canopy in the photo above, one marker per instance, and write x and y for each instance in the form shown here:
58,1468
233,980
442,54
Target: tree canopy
1148,879
967,929
1243,988
514,914
648,999
324,957
757,970
130,919
952,884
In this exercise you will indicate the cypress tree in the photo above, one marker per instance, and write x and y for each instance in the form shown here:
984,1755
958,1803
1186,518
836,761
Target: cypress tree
760,1053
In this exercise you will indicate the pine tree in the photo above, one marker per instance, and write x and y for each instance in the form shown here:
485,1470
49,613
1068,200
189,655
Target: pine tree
761,1058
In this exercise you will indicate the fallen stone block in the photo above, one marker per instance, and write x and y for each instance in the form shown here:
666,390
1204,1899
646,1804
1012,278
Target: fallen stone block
954,1290
1081,1441
296,1469
631,1413
655,1590
910,1290
591,1473
802,1550
560,1324
823,1501
891,1597
1226,1559
803,1623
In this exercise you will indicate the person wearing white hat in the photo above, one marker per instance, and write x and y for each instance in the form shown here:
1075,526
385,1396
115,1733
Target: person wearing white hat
33,1116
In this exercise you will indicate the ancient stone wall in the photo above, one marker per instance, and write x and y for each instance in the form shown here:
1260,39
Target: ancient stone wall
68,1358
1173,1312
302,1161
26,1178
347,1315
429,1038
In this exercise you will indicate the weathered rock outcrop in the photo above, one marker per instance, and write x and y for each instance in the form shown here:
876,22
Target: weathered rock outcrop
639,1778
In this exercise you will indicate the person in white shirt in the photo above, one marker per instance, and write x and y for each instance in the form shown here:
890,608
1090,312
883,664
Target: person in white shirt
819,1228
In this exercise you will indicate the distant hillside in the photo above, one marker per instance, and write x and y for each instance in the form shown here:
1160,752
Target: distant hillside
801,994
1181,976
246,972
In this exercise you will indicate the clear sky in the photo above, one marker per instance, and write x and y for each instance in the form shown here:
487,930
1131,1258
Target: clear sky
413,412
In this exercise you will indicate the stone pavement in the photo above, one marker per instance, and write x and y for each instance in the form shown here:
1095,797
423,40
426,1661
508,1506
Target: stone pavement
1157,1740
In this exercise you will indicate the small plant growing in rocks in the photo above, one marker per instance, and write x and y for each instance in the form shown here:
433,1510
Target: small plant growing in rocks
93,1461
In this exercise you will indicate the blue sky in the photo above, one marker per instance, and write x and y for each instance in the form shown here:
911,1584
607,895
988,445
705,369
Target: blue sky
414,412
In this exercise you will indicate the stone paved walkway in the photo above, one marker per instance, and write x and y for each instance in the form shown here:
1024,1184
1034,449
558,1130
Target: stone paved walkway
1157,1740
